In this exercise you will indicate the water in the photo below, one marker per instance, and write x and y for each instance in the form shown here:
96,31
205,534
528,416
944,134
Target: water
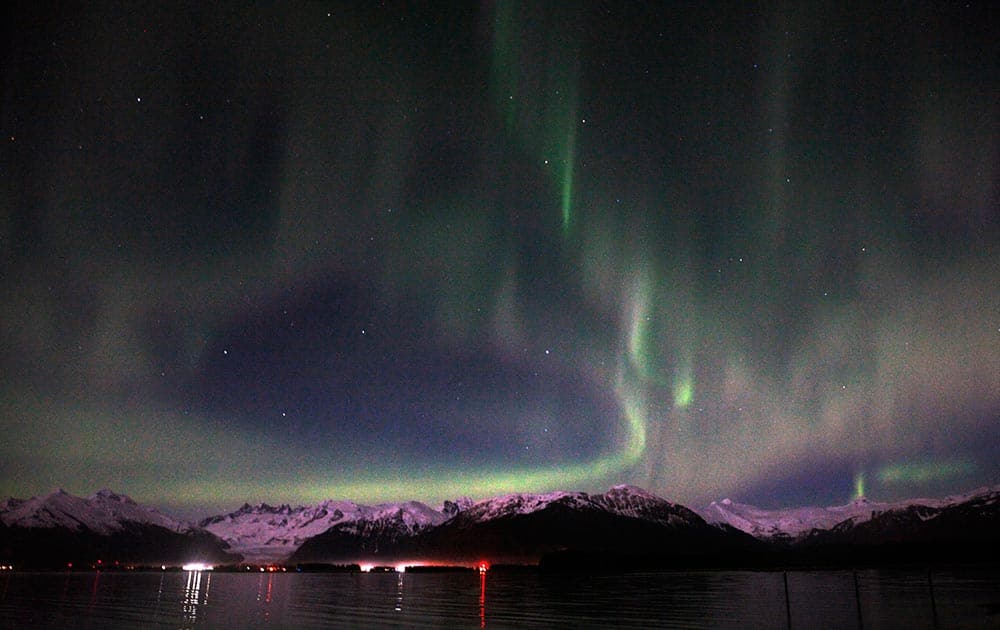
824,599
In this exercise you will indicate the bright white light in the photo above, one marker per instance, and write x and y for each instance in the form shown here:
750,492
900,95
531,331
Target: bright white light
367,567
400,568
197,566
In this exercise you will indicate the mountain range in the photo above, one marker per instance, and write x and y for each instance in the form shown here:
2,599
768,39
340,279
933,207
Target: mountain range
526,527
623,526
264,533
60,530
796,525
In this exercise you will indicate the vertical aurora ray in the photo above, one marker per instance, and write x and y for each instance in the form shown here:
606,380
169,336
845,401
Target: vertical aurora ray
683,385
534,79
859,485
569,160
630,400
640,354
638,325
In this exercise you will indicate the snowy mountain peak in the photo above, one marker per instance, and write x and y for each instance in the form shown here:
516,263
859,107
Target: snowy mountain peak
451,508
625,490
621,500
630,494
107,495
787,523
265,533
524,503
635,502
104,512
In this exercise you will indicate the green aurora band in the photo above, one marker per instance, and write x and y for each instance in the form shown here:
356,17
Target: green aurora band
453,482
925,471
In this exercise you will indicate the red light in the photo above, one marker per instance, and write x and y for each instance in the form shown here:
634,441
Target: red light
484,566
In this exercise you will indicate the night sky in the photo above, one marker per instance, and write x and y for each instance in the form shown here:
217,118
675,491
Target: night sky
373,251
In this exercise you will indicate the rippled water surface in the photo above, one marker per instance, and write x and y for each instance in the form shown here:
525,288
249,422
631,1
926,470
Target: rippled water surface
830,599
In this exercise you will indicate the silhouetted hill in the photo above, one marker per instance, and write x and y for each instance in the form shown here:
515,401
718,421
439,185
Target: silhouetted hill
135,544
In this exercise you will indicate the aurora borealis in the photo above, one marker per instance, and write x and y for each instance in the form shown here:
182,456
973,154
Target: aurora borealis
289,253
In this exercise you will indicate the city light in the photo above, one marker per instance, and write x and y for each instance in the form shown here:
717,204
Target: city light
197,566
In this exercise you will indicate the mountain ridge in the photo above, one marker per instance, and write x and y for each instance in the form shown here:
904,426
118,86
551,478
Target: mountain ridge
793,524
270,534
103,512
525,526
106,529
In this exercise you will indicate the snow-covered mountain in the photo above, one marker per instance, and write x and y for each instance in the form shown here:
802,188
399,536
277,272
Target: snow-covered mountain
103,513
106,529
57,528
451,508
525,527
621,500
794,524
264,533
626,500
519,504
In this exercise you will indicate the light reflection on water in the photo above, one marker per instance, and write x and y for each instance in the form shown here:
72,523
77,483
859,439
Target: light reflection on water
832,599
482,599
399,592
194,596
